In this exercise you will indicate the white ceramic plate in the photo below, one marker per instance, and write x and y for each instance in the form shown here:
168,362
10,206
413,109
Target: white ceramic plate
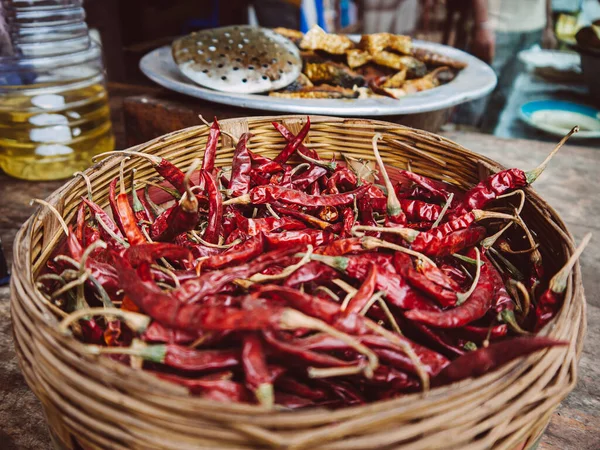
557,117
553,64
475,81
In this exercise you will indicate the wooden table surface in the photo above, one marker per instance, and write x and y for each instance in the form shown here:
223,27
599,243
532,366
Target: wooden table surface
571,185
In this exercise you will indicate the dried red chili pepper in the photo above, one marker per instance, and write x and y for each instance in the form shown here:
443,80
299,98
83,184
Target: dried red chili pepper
244,251
438,189
142,214
252,227
396,289
313,271
147,206
125,215
437,275
550,301
473,308
208,161
183,358
178,219
348,222
222,390
306,356
110,229
165,168
79,230
290,138
215,215
341,247
257,376
364,293
293,386
404,266
159,333
298,237
292,145
112,201
454,242
308,177
431,361
493,333
418,211
264,165
502,182
150,252
292,401
393,207
270,193
212,282
306,218
104,273
484,360
239,182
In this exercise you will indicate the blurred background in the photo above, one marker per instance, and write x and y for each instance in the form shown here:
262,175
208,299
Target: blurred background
493,30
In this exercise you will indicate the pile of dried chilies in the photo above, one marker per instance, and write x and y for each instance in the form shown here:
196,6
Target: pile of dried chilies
308,284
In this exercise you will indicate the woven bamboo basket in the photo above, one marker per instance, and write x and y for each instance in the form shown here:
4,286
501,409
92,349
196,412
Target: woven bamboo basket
94,402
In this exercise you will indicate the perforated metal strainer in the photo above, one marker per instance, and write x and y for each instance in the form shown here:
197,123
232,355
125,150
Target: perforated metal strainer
240,59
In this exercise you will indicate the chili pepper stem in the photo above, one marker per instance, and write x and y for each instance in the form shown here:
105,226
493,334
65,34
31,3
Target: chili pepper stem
519,192
88,183
533,175
482,215
154,353
329,292
526,298
265,395
467,259
558,283
137,205
260,278
505,247
136,321
54,211
371,302
330,165
315,372
406,348
407,234
489,241
516,273
508,317
470,346
189,202
226,133
272,211
463,296
378,297
104,298
337,262
172,192
350,292
370,242
443,211
393,204
293,319
68,286
110,232
241,200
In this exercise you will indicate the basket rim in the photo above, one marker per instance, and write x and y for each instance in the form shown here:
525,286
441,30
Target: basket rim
48,322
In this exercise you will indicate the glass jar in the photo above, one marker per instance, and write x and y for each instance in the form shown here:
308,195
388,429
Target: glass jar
54,112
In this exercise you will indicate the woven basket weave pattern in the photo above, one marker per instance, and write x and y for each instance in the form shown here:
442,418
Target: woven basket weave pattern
102,404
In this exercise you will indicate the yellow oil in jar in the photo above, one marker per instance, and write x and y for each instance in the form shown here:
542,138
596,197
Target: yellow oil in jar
52,131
